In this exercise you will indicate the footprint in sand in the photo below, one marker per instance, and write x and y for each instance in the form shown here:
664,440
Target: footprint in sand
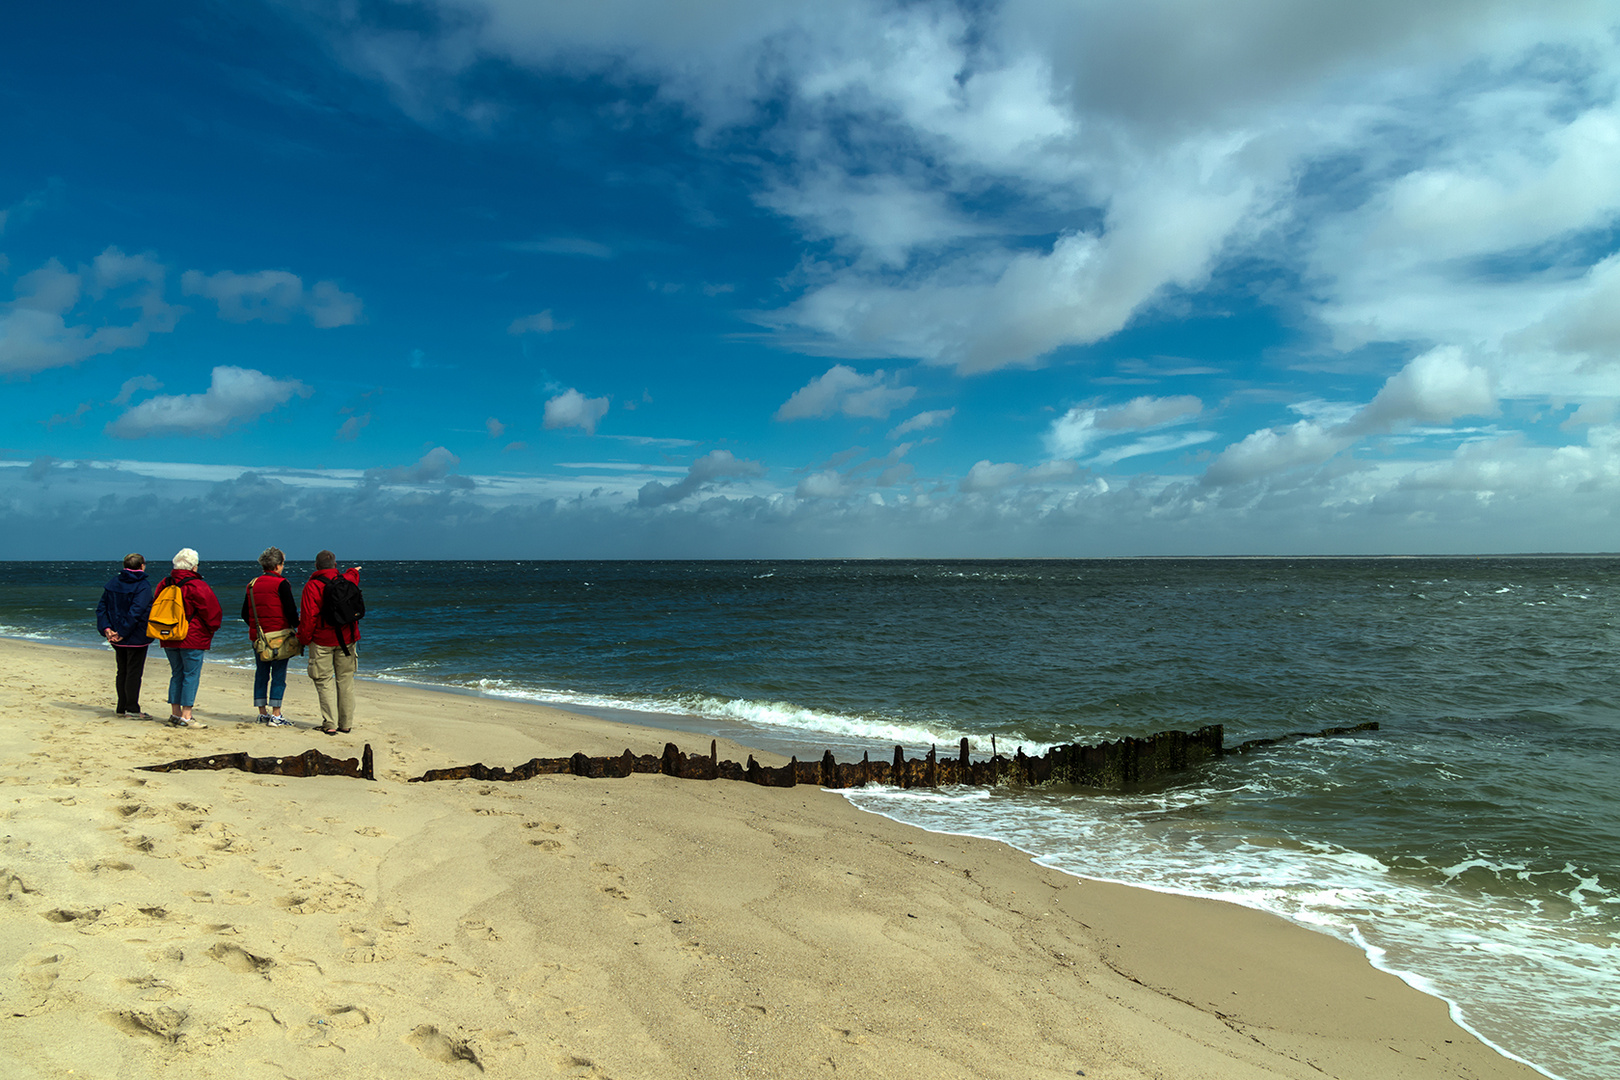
152,988
361,946
69,915
162,1024
113,865
435,1045
327,894
346,1018
15,887
611,890
578,1065
240,960
36,981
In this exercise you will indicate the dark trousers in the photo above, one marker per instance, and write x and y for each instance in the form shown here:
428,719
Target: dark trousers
131,666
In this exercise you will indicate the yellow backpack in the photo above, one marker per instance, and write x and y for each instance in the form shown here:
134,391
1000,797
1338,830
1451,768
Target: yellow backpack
167,622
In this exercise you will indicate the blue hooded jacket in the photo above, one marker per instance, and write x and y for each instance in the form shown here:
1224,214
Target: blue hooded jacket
125,604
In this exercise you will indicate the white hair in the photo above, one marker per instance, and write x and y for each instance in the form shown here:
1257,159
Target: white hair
186,559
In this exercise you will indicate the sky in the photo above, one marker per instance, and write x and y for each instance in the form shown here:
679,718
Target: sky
809,278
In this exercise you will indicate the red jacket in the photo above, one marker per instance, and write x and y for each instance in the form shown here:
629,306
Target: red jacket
272,595
203,614
310,627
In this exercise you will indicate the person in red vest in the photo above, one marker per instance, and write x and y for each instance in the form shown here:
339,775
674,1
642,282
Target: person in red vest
268,606
203,617
334,653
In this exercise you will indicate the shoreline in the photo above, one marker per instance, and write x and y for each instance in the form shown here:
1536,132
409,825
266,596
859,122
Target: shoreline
202,920
1370,953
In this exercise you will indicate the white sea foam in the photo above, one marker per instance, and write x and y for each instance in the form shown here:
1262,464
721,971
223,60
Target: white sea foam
24,634
783,717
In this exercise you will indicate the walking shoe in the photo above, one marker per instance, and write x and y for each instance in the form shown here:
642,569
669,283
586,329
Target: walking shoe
278,721
180,721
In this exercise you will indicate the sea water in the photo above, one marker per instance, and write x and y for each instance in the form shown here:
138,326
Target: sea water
1470,845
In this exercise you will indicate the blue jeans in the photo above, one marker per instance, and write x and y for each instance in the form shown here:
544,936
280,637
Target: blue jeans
271,675
185,672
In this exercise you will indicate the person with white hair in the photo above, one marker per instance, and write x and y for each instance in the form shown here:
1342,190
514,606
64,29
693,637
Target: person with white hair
203,619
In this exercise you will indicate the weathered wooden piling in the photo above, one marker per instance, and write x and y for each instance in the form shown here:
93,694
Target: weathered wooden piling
309,763
1111,765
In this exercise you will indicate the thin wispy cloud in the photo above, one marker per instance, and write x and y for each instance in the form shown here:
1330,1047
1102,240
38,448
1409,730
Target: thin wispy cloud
843,390
273,296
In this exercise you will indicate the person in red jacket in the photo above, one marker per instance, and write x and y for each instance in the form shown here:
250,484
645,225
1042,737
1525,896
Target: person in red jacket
203,618
267,607
334,654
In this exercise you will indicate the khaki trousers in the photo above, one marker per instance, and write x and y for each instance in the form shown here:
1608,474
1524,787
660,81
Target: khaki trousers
333,675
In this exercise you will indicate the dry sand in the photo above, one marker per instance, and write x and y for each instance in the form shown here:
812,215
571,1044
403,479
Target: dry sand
222,924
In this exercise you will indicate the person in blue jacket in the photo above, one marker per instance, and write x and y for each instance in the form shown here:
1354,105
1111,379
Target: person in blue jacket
121,618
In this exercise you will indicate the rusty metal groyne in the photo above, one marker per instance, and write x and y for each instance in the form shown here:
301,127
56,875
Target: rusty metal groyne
1106,765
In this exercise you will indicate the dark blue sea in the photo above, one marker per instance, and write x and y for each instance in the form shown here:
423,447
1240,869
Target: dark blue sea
1471,844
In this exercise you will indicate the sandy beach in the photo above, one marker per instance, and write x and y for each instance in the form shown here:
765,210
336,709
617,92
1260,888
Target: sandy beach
205,924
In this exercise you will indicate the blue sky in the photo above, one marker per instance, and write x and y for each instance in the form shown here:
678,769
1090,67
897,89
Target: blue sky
491,278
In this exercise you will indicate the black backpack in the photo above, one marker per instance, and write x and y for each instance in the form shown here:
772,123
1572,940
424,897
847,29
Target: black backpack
341,607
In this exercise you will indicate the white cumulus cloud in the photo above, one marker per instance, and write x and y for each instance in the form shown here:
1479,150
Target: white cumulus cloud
844,390
60,317
234,395
1271,451
826,484
437,465
1436,387
573,409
